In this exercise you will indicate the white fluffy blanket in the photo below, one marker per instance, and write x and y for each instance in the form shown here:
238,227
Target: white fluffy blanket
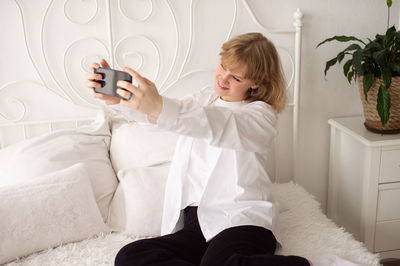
305,230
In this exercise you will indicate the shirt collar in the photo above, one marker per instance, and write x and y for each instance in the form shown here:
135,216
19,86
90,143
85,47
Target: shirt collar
220,102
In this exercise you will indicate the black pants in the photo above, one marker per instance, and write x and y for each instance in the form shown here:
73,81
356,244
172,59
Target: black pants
241,245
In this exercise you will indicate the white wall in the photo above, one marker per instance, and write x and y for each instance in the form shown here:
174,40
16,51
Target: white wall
320,99
334,97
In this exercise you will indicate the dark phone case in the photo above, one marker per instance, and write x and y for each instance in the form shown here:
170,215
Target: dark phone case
109,80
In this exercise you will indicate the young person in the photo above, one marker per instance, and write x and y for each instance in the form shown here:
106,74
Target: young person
218,173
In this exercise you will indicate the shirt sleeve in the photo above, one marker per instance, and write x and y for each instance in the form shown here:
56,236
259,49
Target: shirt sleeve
127,113
251,127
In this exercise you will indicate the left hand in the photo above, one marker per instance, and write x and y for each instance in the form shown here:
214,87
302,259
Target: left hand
145,98
92,83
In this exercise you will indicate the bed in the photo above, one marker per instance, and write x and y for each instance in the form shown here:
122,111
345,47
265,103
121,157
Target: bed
77,182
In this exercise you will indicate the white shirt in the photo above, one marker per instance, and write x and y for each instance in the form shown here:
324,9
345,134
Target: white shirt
199,164
237,190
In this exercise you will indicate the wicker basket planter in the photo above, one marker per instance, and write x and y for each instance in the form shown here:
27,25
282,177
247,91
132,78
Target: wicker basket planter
372,119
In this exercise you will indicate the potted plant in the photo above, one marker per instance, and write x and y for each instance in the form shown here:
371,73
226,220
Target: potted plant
376,66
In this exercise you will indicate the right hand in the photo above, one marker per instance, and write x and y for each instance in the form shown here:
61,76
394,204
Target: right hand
91,83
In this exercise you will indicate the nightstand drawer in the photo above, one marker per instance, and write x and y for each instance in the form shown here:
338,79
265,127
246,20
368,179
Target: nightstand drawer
388,202
387,236
390,166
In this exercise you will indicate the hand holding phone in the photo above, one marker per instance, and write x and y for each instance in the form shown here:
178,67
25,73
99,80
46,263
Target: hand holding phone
109,81
143,97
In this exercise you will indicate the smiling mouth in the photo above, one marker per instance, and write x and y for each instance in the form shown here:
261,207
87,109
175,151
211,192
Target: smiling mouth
221,87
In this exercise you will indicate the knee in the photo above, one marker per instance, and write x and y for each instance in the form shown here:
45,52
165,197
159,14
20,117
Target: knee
121,259
129,254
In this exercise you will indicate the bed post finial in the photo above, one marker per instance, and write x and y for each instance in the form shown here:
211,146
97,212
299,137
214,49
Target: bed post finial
298,18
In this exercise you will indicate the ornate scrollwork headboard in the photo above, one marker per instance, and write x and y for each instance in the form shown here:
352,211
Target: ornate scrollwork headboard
174,43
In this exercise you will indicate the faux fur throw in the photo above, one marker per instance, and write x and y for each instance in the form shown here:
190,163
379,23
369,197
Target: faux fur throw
305,230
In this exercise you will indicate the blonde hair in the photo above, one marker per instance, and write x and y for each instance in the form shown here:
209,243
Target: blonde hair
263,67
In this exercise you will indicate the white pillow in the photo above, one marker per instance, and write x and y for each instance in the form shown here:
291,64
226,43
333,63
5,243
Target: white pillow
140,145
46,212
61,149
138,203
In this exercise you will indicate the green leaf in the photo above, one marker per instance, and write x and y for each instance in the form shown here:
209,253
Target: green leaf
373,45
346,66
391,30
387,77
350,76
383,104
352,47
341,39
389,36
340,57
368,80
329,64
389,3
381,58
357,57
379,38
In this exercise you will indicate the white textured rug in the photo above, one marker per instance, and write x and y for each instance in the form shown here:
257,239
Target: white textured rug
305,230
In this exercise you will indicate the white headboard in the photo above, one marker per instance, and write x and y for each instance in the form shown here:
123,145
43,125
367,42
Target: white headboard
174,43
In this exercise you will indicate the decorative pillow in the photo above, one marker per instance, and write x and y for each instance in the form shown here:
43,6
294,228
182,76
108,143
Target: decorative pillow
61,149
47,211
138,203
140,145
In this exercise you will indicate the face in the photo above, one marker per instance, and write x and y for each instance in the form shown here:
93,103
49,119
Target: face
231,86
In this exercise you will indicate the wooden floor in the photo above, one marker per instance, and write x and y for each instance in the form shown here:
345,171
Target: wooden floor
391,263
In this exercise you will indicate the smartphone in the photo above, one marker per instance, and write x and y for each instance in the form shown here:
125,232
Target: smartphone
109,80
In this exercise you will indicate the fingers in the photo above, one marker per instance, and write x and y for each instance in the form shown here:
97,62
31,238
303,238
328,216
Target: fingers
107,98
92,84
135,75
129,87
94,65
142,81
104,63
129,91
125,94
93,76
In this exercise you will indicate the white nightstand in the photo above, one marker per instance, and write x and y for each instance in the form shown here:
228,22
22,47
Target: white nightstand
364,184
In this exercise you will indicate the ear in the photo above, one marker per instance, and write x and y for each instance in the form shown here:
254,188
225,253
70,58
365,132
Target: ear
255,86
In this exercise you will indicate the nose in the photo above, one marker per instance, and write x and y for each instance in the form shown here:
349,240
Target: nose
225,78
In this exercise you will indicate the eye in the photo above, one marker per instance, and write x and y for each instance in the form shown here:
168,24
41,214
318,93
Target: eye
238,80
222,66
